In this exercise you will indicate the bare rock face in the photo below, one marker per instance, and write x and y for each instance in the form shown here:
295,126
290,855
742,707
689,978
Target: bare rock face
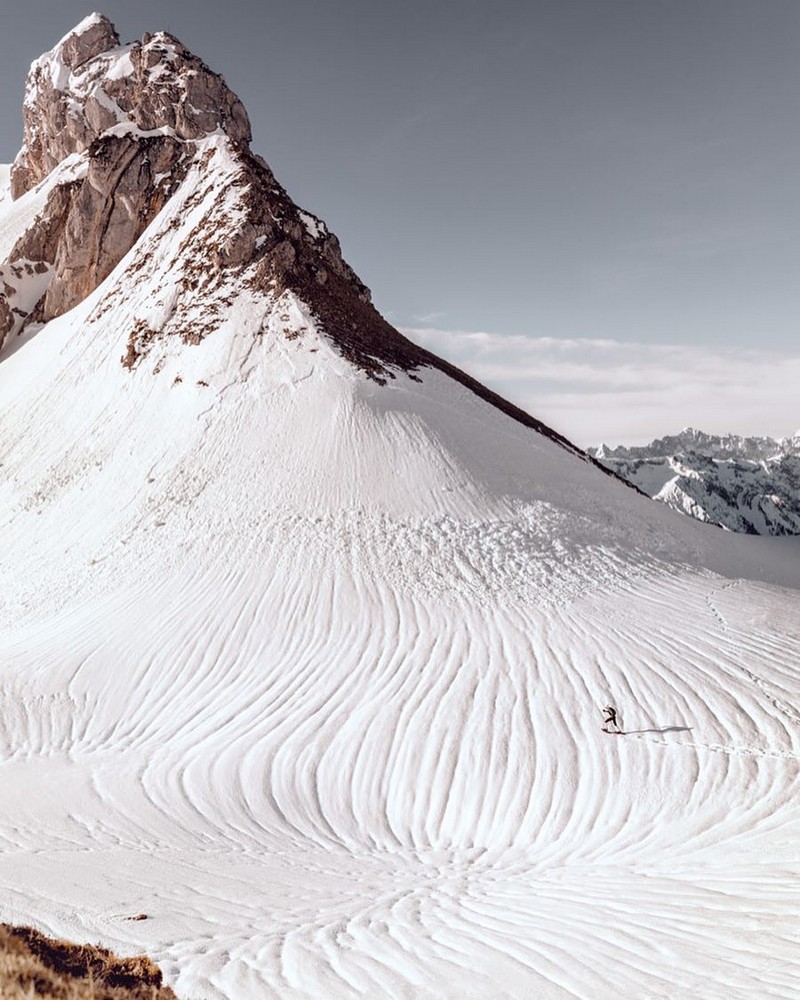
115,131
135,114
53,129
89,83
171,88
109,212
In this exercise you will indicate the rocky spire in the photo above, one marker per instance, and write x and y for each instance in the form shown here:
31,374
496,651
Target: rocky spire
116,127
114,130
90,84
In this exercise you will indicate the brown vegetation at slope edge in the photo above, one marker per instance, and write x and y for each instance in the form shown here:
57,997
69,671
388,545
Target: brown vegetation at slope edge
32,965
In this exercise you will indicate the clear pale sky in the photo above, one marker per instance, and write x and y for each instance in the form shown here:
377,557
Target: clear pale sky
617,171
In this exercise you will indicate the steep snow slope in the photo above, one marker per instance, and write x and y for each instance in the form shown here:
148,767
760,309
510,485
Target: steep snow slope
309,669
743,484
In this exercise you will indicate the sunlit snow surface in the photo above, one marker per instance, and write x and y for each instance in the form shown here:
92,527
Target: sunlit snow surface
310,671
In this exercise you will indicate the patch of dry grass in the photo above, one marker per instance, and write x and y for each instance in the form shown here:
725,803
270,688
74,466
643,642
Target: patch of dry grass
35,966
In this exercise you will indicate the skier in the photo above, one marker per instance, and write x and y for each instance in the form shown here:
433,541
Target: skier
611,720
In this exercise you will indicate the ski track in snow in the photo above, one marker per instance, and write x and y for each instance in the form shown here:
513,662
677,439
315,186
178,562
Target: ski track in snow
310,671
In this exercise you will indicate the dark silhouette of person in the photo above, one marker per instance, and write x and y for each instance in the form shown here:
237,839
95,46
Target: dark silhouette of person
610,719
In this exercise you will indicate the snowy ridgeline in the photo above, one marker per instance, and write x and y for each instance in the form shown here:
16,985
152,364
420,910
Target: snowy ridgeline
746,484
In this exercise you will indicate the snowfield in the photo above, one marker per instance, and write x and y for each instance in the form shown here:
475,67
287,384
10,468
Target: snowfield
310,671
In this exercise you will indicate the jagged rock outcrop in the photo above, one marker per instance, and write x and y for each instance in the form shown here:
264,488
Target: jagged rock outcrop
109,212
132,113
745,484
55,124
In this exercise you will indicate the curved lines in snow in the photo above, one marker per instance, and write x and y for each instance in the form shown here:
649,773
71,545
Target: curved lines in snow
53,722
356,790
761,655
699,684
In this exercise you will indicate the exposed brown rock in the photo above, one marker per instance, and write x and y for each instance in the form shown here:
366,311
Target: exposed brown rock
140,340
74,91
41,241
54,127
115,204
172,88
90,96
98,36
6,316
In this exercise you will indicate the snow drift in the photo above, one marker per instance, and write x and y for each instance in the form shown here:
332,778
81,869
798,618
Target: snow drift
305,635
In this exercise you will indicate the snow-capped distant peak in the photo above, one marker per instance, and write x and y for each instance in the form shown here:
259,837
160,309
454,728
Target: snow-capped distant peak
747,484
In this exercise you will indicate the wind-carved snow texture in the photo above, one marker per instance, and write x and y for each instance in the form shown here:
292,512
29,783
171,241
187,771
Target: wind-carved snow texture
304,658
747,484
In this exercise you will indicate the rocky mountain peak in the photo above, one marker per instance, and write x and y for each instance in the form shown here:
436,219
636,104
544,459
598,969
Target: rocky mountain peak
90,84
140,153
94,34
110,133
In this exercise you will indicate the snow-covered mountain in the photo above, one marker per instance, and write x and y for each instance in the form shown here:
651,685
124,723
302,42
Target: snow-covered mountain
305,636
747,484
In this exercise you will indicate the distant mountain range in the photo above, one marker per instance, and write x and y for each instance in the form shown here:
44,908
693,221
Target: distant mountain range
745,484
